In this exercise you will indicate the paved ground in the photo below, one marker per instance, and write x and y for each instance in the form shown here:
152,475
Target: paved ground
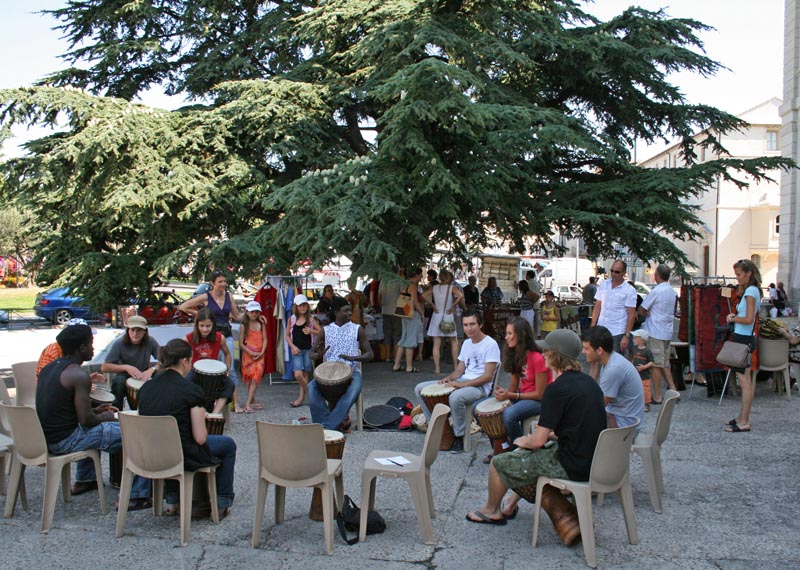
731,502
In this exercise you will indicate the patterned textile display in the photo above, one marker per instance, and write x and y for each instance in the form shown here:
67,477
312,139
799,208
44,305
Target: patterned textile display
683,327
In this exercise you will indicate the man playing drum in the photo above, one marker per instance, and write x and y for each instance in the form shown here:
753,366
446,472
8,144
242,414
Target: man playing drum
342,341
130,357
472,378
69,422
573,412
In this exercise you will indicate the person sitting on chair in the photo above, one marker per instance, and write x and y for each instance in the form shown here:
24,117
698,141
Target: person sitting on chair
129,357
472,378
69,422
168,393
342,341
573,413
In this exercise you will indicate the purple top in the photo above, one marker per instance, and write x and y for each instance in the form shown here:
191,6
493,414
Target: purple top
221,314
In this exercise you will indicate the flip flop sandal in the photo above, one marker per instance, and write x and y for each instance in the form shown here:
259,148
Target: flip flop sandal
736,429
731,423
295,404
485,520
412,371
257,407
513,514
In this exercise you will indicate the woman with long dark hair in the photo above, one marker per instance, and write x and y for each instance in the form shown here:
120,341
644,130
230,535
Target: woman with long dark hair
523,359
744,325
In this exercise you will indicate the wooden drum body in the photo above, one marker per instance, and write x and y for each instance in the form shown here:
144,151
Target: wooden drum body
489,415
215,424
334,449
562,513
440,394
333,380
210,376
133,387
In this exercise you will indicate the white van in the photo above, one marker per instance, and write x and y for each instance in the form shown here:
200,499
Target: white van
565,271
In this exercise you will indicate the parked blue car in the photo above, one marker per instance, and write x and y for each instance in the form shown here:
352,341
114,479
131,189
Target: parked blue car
59,306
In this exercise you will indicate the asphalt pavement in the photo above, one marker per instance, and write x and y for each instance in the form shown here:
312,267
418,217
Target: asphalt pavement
730,502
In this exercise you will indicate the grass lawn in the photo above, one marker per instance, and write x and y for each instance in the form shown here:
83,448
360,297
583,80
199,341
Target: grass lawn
21,299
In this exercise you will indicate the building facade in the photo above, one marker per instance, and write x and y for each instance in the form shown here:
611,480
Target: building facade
735,223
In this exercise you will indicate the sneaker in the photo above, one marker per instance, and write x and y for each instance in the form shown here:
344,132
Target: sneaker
458,445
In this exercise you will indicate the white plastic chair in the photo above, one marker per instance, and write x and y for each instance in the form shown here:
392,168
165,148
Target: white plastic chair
468,432
773,356
281,464
30,450
151,447
417,473
648,446
25,383
610,472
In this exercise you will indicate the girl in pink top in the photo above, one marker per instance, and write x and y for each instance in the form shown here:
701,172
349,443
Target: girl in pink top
529,377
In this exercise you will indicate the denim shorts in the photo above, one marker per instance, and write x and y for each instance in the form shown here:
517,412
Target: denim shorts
302,361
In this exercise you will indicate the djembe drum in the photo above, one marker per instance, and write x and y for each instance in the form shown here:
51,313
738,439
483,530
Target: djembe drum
100,396
489,415
210,376
215,424
133,385
434,394
562,513
333,379
334,449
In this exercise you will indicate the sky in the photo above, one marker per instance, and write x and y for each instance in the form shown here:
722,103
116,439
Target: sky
747,40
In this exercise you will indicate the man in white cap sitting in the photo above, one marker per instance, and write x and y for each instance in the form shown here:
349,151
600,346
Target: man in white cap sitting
133,355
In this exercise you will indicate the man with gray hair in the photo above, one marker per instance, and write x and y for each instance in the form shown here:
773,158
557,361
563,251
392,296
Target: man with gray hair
659,308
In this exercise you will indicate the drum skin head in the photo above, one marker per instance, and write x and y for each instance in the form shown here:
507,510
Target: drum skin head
437,390
490,405
332,372
333,435
209,366
134,383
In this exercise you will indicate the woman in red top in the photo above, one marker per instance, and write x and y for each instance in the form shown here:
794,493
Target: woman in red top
206,343
529,377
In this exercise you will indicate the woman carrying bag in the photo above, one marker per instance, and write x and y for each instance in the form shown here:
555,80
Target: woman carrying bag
444,298
744,323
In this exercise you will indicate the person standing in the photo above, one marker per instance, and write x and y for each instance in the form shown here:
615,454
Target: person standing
659,308
472,296
551,314
572,415
589,291
615,306
472,378
536,289
342,341
744,323
444,298
132,356
70,423
221,304
619,380
298,336
412,327
253,342
392,327
526,302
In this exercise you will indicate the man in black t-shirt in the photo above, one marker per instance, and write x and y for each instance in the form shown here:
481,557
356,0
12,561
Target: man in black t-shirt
573,413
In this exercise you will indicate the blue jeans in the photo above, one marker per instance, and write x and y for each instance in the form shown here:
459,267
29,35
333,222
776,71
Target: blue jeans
302,361
224,448
105,437
516,412
332,419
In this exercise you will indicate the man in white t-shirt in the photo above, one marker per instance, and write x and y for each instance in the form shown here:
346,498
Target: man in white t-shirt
659,308
615,306
472,378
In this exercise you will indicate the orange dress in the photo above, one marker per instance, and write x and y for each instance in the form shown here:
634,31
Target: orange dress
253,370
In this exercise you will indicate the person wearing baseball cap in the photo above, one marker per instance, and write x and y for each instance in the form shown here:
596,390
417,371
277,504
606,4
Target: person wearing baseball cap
133,355
69,422
572,410
253,342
